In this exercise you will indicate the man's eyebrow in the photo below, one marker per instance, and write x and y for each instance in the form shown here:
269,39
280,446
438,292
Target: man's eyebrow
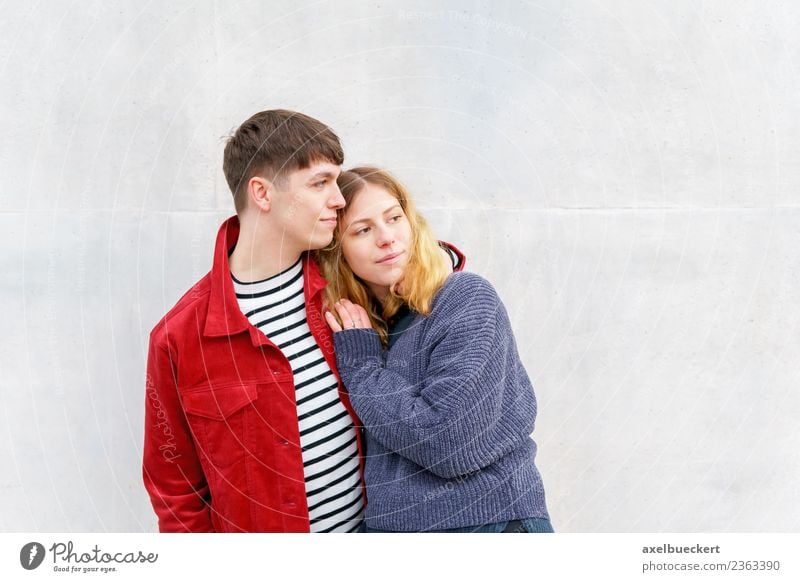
322,174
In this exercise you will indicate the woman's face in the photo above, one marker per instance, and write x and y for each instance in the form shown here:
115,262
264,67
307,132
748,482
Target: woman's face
376,238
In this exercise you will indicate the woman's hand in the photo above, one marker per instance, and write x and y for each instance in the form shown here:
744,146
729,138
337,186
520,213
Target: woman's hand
352,316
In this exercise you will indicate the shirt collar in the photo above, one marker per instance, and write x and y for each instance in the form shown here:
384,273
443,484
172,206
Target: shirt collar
224,318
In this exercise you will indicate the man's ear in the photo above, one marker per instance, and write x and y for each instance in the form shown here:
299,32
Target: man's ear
261,191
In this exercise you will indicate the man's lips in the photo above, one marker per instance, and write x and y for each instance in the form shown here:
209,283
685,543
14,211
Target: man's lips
331,221
390,258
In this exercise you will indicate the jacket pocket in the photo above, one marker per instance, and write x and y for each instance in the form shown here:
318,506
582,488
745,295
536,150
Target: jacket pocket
218,417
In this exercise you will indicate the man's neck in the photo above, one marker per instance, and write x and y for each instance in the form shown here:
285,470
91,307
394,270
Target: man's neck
257,256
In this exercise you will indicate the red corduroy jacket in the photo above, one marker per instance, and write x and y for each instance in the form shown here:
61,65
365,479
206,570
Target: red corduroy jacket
221,437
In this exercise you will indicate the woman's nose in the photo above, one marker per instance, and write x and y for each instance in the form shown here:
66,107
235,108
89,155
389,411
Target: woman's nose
385,237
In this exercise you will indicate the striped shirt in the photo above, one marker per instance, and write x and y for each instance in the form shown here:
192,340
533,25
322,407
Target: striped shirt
277,307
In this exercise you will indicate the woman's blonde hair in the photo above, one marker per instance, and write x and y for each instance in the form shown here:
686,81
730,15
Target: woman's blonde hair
425,271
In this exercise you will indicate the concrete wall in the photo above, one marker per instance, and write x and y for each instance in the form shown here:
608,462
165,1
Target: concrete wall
625,173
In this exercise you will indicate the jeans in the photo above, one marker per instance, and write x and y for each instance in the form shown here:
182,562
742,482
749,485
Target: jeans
529,525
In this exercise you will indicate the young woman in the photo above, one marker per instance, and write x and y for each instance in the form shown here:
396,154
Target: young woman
432,369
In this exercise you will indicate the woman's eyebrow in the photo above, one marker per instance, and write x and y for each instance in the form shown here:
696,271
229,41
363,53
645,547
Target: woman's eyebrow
352,222
390,209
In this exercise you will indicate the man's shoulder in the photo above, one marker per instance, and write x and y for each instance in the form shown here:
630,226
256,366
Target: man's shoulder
185,310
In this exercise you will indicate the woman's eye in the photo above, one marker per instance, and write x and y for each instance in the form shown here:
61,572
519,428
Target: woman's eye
395,218
362,230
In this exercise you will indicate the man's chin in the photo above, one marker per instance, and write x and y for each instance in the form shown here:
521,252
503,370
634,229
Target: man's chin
316,244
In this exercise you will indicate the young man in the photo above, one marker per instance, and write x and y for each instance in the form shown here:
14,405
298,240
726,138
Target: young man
247,426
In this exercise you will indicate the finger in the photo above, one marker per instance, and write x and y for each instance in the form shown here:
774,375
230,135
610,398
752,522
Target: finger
358,314
361,318
361,313
355,311
344,315
332,323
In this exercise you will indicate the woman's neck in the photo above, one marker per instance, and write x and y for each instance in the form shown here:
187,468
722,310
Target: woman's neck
380,292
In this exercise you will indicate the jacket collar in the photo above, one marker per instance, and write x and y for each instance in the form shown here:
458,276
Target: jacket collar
462,259
224,318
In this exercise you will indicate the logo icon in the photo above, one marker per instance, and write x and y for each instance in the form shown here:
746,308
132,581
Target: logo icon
31,555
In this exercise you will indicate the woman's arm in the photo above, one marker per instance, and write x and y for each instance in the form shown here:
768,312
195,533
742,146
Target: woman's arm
475,403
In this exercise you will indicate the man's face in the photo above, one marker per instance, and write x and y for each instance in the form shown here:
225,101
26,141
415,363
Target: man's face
305,204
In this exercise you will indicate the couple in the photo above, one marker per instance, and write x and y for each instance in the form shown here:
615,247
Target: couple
330,304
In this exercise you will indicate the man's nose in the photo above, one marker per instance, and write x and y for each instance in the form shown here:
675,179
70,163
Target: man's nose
337,200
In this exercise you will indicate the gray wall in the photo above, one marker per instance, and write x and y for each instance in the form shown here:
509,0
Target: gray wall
625,172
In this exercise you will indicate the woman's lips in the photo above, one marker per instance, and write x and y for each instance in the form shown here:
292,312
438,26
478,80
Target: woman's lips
390,258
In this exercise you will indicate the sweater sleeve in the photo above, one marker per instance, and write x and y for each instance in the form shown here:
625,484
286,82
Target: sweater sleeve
171,468
474,403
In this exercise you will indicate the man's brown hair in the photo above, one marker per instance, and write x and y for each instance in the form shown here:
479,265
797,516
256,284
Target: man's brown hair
273,144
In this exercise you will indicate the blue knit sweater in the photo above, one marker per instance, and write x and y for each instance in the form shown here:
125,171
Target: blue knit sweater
448,413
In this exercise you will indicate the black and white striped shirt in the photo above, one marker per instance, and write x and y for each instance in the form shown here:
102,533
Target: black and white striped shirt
327,434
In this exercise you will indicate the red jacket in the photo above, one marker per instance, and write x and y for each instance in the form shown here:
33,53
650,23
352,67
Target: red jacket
221,439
